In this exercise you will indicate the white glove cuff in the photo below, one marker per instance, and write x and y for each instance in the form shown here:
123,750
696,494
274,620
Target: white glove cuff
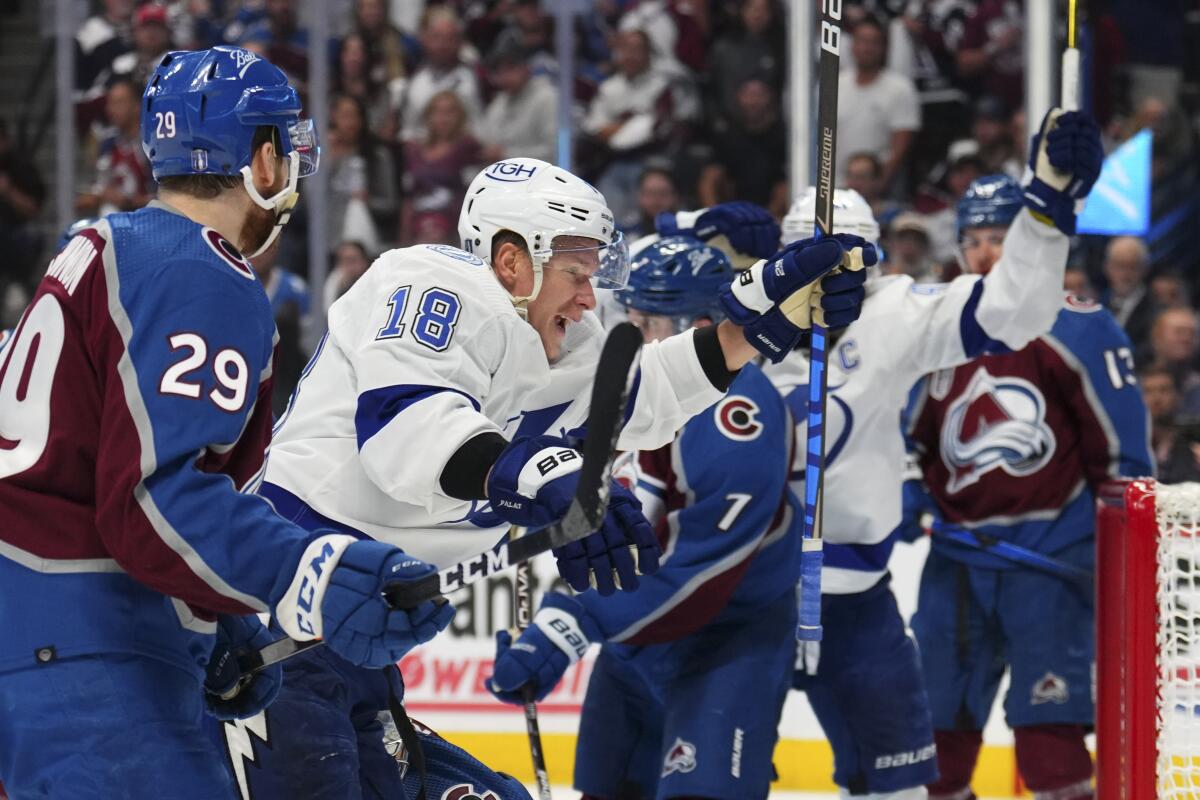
299,612
749,289
544,466
563,629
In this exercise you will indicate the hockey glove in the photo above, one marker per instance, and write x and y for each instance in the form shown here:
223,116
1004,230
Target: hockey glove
532,484
744,231
776,300
1065,157
357,622
558,637
223,696
917,505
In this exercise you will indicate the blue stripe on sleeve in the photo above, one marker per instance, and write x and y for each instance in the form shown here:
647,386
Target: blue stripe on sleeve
378,407
975,340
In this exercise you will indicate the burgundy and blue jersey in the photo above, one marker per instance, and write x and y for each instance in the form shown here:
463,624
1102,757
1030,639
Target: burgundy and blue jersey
133,408
728,523
1013,445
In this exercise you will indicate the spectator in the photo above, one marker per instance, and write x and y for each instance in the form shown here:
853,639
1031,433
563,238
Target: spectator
522,119
1168,290
938,201
755,49
1077,283
1126,262
532,29
279,38
907,249
749,154
443,70
22,193
992,56
631,117
289,297
151,41
100,39
390,51
992,131
1175,344
676,29
435,174
353,77
122,181
657,193
350,262
363,203
878,110
1161,393
864,174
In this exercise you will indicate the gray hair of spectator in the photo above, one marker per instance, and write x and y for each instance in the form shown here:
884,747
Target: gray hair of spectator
1140,246
207,187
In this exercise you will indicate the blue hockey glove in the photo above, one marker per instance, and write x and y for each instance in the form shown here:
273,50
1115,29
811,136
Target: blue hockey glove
558,637
1065,157
532,484
750,230
917,504
776,300
614,556
358,624
223,697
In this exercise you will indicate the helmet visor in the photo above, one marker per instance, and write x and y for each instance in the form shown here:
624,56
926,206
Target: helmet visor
606,264
302,135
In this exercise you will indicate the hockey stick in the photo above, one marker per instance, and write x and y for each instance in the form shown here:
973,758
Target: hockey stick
1070,65
1012,552
812,555
610,392
523,608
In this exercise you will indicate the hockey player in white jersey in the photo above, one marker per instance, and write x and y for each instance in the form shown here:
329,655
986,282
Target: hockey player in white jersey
864,681
436,412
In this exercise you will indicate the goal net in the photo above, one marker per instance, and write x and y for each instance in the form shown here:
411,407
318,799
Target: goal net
1148,642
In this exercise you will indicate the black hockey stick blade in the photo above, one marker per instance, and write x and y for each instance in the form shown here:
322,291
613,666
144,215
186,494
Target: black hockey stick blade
606,415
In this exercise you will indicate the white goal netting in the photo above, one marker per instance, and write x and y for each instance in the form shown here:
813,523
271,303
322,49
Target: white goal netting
1178,728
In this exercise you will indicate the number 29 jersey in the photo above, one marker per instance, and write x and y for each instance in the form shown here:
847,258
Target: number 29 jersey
133,404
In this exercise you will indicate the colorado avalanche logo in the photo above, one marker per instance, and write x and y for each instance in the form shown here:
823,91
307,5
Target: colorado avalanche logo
997,423
466,791
737,418
680,758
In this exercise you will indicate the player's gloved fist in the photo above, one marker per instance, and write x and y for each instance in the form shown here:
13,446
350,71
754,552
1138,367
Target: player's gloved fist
918,506
749,230
226,695
614,556
558,637
532,482
774,301
1064,162
357,622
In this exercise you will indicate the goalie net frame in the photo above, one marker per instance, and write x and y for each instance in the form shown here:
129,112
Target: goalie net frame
1147,743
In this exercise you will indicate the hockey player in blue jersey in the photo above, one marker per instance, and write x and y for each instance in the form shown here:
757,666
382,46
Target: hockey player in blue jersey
863,680
1013,446
132,410
685,697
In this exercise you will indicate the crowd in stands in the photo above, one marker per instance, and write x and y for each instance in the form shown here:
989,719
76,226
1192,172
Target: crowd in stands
676,103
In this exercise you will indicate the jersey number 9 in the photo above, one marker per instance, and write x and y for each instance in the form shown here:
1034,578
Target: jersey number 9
229,368
27,368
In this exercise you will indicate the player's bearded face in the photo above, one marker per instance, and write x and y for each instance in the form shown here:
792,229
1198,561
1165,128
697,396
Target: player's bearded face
566,291
982,247
260,221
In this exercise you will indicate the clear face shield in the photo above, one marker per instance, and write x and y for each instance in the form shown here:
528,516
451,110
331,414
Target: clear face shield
605,265
656,327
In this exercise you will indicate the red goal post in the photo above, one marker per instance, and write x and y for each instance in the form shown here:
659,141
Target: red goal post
1148,641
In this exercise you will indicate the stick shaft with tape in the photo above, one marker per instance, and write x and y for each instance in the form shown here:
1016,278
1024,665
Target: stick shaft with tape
523,611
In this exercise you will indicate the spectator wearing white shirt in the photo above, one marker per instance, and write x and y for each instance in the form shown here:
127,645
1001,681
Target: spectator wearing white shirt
521,120
878,110
442,70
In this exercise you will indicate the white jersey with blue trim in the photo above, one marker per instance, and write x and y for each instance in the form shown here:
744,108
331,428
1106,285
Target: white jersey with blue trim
905,331
424,353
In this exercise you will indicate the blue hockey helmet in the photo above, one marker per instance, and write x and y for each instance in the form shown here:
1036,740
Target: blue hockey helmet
677,276
990,200
201,110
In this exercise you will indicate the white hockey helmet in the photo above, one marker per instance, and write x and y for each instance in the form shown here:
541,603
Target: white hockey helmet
851,214
541,202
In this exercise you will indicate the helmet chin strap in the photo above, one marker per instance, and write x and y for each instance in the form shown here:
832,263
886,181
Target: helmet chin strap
281,203
521,304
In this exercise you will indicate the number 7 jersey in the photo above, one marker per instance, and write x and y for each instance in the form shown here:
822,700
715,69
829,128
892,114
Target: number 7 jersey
133,405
